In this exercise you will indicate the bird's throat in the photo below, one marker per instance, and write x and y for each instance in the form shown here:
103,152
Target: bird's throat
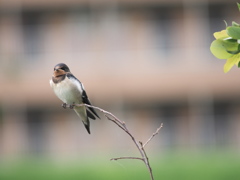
59,78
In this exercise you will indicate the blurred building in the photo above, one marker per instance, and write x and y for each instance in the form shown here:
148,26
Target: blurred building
148,62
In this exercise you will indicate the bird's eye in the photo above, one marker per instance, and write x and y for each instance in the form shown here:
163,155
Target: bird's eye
65,69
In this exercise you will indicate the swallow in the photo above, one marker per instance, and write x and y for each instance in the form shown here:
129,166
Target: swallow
71,91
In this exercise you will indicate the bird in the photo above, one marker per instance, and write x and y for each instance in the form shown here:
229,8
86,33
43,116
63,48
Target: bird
71,91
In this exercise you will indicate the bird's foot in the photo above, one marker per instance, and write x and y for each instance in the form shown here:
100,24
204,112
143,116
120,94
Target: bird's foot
64,105
71,106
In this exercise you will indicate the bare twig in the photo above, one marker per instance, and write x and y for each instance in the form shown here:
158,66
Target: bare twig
154,134
123,126
146,160
114,159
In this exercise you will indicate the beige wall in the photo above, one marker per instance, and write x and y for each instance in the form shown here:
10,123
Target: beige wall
133,60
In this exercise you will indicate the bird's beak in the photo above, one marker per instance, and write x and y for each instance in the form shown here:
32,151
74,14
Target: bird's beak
58,72
55,71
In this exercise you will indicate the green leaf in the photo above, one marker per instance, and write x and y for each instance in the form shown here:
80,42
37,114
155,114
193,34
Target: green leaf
221,34
231,62
220,48
235,24
234,52
239,64
229,39
225,23
234,32
238,6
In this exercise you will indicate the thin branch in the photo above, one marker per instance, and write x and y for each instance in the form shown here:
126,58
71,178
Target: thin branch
154,134
140,146
114,159
146,160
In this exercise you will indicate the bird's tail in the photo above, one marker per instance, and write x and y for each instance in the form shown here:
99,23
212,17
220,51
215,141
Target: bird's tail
82,113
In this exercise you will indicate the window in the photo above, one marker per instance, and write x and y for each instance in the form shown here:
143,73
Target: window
36,126
167,27
32,34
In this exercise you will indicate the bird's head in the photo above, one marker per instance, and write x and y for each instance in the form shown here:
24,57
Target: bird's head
60,69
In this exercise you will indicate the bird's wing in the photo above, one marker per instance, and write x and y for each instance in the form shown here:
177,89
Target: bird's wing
90,115
86,101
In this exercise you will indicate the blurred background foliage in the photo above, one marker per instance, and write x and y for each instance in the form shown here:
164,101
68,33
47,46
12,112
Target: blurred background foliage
181,166
226,45
147,62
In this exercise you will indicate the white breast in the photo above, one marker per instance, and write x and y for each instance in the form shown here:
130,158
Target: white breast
68,90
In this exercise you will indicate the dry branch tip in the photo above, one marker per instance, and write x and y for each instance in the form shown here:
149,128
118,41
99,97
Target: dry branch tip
139,144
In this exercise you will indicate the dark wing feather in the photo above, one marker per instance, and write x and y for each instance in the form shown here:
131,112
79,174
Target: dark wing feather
86,101
90,115
87,126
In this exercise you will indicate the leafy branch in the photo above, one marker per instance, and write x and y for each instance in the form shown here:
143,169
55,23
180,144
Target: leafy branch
227,45
121,124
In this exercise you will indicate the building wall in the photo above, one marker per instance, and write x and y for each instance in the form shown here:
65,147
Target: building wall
146,63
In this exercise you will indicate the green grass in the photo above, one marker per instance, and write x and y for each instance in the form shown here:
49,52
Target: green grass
224,166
